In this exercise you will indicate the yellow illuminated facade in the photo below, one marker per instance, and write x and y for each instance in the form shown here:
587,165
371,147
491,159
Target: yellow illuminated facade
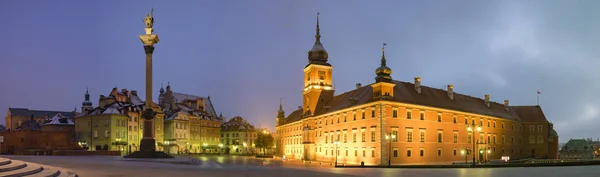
396,122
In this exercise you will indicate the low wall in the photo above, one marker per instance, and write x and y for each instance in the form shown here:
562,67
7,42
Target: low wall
538,164
84,153
33,152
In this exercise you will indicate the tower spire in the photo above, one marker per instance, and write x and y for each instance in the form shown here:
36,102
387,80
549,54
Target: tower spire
280,113
280,105
318,55
162,90
318,35
87,94
383,61
383,72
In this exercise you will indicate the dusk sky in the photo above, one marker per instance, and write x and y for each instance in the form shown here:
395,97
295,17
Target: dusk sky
248,54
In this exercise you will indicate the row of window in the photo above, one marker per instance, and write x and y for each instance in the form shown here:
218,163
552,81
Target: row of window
180,135
237,142
330,151
532,128
409,112
203,138
532,139
197,128
333,136
252,135
133,119
179,125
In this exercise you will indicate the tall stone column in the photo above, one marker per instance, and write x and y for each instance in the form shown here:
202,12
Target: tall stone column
148,143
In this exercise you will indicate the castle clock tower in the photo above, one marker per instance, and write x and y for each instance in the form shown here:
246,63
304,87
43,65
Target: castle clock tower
317,78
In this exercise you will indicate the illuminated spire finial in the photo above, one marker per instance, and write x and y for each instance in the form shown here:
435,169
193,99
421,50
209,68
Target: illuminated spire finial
280,104
318,36
383,61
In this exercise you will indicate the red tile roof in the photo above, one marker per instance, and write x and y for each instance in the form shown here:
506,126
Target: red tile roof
530,113
405,92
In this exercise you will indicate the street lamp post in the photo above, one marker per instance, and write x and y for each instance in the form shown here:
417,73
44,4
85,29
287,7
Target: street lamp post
464,152
471,129
220,148
336,151
187,144
488,153
387,137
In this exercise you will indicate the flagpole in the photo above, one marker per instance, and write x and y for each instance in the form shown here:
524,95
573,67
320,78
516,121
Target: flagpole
538,97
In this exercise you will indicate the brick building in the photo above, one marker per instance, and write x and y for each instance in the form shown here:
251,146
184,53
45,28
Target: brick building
29,142
399,122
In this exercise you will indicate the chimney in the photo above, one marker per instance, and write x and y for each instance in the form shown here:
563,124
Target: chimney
487,100
506,105
358,85
418,84
299,107
451,91
134,92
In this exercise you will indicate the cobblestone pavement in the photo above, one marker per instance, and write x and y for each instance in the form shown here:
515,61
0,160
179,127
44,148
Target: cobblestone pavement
101,166
215,166
573,171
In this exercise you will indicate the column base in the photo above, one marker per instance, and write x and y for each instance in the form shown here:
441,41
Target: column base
149,154
148,150
148,144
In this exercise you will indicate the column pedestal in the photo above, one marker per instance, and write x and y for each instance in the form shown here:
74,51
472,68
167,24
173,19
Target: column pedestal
148,144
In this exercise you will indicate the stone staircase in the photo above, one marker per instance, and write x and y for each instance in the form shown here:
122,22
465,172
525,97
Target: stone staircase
16,168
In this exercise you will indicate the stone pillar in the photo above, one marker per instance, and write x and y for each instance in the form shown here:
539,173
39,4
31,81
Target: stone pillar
148,143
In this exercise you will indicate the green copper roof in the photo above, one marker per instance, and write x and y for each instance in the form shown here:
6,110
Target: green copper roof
577,144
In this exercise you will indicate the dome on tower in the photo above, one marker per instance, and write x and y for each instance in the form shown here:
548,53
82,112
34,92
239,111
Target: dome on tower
280,112
87,102
318,54
383,72
161,91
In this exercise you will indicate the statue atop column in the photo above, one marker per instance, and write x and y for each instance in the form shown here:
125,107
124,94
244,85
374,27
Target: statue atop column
148,144
149,20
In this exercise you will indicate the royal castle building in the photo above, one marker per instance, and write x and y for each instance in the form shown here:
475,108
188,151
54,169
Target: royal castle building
397,122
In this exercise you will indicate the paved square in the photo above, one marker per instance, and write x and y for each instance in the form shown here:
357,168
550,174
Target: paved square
216,166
